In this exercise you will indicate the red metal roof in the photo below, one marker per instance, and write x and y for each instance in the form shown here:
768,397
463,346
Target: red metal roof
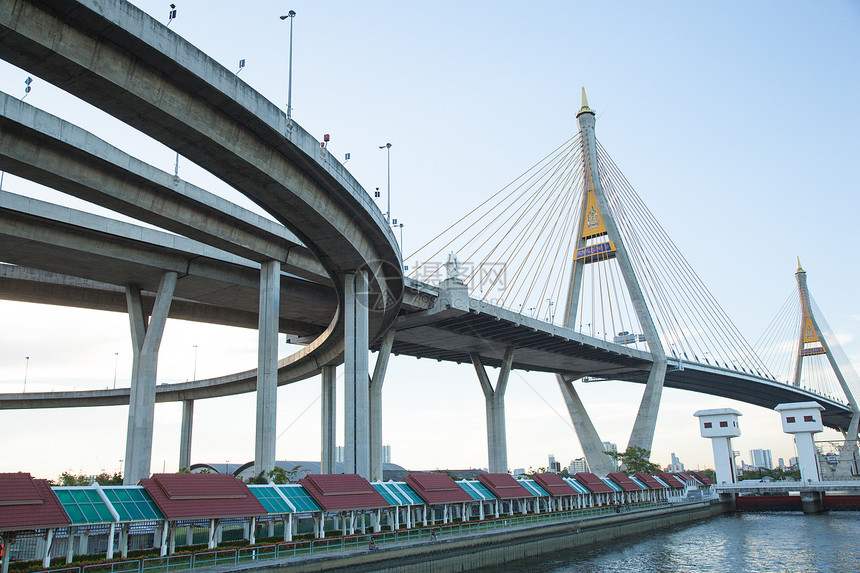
649,480
27,503
553,484
703,478
671,480
592,482
192,496
437,488
504,486
339,492
623,481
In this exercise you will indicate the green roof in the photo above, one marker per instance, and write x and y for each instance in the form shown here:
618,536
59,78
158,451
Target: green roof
132,503
476,489
299,498
83,505
273,501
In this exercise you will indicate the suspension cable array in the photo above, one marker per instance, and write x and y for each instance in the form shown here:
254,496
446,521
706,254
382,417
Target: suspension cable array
516,249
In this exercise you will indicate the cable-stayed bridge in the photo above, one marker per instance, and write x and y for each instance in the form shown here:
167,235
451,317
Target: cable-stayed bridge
574,235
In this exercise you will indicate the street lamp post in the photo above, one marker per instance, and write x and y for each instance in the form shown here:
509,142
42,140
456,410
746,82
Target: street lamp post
115,364
195,362
26,371
387,147
291,15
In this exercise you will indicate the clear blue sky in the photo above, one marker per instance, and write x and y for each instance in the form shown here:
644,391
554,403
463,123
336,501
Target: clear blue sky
736,123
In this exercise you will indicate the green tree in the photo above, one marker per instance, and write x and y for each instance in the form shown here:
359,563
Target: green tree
281,476
105,478
635,460
68,478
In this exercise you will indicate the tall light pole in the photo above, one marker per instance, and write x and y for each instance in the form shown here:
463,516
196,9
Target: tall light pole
115,364
195,362
387,147
26,371
291,15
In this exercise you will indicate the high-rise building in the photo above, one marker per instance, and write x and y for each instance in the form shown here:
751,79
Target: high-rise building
338,454
609,447
576,466
386,454
676,465
761,459
781,463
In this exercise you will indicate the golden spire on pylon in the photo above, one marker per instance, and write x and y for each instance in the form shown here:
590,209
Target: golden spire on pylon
799,268
585,108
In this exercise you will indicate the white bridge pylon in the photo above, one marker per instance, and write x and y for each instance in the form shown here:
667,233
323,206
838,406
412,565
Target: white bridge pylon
571,235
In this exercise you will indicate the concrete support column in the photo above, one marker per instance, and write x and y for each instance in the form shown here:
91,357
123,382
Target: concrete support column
592,447
267,367
376,381
70,545
497,447
49,538
645,424
185,434
329,419
146,339
356,391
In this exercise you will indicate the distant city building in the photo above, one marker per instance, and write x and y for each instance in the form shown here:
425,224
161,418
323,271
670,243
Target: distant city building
554,466
386,454
519,471
676,465
781,463
576,466
609,447
792,463
761,459
338,454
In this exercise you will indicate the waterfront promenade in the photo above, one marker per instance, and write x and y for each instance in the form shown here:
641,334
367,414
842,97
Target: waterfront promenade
452,547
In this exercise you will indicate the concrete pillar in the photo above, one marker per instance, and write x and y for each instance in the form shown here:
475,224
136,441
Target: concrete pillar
329,419
589,440
356,391
49,538
497,447
267,367
645,424
146,339
111,535
811,502
185,434
70,546
213,526
379,370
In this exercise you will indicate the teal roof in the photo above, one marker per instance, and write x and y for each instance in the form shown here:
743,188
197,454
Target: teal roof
299,498
397,493
273,501
83,505
638,482
476,489
612,484
576,485
533,488
132,503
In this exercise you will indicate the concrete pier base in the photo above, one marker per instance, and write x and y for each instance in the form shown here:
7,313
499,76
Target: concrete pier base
812,502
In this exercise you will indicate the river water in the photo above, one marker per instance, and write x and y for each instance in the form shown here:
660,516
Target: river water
780,542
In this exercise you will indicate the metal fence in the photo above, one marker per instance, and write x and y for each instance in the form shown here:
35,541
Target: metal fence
285,550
